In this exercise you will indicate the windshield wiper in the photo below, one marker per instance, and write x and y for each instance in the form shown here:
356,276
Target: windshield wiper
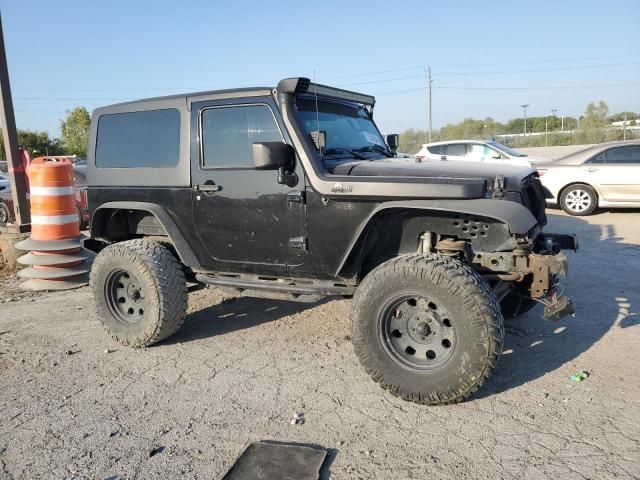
338,150
375,148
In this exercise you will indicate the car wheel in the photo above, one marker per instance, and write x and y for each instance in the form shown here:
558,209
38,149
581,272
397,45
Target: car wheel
5,215
579,200
427,328
140,292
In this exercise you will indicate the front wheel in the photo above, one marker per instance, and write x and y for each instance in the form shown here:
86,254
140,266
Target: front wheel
579,200
427,328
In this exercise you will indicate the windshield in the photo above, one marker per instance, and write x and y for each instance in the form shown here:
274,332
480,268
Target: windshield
349,130
509,151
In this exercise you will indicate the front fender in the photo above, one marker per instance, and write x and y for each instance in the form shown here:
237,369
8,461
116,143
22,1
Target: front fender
517,218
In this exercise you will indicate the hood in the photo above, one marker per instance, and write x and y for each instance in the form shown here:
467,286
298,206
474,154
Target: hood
411,167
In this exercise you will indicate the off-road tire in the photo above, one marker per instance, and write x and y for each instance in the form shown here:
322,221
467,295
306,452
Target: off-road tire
575,192
159,277
515,304
456,289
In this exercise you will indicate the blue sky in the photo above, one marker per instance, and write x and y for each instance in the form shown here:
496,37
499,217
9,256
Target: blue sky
488,58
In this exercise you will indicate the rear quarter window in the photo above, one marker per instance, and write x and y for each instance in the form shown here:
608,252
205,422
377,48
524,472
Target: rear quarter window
149,138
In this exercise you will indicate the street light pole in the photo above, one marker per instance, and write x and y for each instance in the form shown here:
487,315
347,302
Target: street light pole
524,107
430,82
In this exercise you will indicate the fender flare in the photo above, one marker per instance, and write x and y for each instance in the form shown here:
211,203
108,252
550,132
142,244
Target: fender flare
186,254
517,217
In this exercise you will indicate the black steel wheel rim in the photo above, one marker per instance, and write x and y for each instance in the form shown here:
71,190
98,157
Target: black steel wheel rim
125,296
418,333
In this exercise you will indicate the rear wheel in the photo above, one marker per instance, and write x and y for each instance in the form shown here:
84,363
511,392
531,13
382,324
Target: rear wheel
579,200
140,292
427,328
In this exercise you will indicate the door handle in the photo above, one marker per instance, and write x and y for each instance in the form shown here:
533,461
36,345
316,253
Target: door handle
207,188
591,170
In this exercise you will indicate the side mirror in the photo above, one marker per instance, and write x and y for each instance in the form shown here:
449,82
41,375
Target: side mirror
393,141
273,156
276,156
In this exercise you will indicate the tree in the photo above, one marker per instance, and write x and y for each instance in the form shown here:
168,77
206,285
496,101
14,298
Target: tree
75,131
36,143
411,140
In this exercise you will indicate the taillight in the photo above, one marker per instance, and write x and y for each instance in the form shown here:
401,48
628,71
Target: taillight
541,172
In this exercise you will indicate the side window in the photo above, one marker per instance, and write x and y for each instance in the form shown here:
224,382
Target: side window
436,149
457,149
600,158
478,152
624,155
150,138
228,134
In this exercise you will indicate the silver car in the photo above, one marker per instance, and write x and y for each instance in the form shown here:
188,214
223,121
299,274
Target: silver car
605,175
476,151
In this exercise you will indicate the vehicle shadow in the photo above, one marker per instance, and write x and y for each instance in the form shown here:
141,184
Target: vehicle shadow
602,282
236,313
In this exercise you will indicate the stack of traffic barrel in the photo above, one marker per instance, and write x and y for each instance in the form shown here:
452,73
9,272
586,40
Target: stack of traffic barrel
57,260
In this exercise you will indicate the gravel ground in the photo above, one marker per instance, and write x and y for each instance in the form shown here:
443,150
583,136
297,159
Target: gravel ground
74,404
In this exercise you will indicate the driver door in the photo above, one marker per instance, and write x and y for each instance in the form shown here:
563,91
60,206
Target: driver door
243,215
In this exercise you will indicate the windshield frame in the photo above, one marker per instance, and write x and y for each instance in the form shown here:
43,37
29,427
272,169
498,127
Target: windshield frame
346,154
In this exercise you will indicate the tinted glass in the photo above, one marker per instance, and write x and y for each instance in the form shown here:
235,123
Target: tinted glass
625,155
600,158
139,139
457,149
228,134
436,149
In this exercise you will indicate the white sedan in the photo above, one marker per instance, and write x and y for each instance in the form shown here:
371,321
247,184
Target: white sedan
605,175
476,151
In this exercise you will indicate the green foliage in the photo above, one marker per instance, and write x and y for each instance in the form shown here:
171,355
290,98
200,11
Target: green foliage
411,140
36,143
75,131
594,127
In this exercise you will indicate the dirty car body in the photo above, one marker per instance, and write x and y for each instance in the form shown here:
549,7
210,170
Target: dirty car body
333,206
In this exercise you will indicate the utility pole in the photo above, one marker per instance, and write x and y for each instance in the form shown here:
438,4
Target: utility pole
11,148
430,81
524,107
546,132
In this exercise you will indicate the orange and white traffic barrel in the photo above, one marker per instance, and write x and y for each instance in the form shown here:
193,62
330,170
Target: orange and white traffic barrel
57,260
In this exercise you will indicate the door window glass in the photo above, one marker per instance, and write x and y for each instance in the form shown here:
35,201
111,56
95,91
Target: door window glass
456,150
436,149
480,152
624,155
228,134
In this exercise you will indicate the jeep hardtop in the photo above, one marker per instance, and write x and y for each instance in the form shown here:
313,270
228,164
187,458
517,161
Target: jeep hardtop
292,193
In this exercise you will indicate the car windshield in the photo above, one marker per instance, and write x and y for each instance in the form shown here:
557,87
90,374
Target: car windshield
509,151
348,128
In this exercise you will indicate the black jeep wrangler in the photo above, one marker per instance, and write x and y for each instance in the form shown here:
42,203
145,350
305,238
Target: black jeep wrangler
291,193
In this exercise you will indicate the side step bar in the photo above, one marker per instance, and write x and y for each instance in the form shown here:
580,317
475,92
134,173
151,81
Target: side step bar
296,290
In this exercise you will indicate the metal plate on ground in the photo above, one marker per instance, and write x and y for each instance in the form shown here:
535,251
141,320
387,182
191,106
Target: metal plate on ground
271,461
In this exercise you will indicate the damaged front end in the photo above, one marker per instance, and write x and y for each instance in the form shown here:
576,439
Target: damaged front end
531,270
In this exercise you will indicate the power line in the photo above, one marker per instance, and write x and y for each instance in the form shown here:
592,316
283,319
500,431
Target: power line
558,87
557,69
